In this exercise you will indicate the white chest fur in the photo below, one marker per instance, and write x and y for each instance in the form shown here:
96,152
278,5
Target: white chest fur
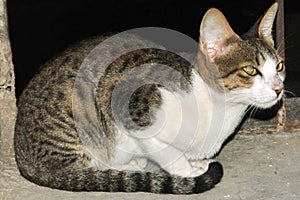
197,123
193,124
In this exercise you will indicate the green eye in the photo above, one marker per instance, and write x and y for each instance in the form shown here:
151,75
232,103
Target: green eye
252,71
280,67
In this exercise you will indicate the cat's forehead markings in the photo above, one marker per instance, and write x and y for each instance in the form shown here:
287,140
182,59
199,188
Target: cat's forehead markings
259,59
269,66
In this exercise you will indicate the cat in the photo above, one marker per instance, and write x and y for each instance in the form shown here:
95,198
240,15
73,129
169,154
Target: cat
150,143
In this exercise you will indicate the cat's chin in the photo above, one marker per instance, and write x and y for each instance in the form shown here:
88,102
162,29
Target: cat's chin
267,105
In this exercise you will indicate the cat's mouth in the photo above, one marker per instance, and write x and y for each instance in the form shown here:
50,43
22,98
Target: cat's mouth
269,103
265,101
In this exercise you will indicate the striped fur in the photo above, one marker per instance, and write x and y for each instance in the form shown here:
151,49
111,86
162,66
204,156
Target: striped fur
90,179
50,149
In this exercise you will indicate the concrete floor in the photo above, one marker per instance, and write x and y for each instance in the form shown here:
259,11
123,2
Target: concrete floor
264,166
256,166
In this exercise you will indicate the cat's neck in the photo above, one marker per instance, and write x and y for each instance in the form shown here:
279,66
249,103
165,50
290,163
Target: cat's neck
222,104
224,116
217,97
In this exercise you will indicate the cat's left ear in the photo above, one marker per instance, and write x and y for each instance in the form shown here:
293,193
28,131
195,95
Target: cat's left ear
266,24
215,33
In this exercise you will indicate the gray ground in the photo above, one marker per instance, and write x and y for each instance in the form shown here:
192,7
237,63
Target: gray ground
256,166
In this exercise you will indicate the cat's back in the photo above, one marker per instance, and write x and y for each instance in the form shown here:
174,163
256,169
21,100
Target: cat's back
45,120
58,71
44,123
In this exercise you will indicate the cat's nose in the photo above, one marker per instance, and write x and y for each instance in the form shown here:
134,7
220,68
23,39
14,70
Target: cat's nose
278,89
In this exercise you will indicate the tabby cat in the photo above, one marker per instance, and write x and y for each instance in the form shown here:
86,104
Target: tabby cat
156,136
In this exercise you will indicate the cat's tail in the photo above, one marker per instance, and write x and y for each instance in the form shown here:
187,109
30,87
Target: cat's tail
126,181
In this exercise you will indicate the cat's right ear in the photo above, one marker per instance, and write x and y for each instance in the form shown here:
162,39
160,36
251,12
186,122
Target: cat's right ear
215,33
266,24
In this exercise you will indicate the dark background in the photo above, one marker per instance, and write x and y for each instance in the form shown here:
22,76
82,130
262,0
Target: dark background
41,28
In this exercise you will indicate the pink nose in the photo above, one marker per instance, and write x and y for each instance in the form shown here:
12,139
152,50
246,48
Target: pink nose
278,88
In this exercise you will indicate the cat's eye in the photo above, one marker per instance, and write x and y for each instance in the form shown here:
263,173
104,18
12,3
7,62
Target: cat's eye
252,71
280,66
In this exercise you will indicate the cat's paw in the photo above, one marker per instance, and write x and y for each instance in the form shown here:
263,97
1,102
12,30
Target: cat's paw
190,172
201,164
199,167
140,162
137,164
195,171
185,170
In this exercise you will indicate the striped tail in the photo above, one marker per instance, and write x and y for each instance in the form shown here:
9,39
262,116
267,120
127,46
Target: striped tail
126,181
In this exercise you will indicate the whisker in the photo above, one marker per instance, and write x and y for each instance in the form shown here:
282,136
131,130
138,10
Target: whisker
250,108
253,112
290,92
287,36
279,50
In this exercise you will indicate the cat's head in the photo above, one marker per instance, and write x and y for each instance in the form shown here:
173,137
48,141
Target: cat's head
248,67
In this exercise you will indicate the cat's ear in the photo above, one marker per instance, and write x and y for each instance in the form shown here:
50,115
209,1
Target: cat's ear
266,24
215,32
